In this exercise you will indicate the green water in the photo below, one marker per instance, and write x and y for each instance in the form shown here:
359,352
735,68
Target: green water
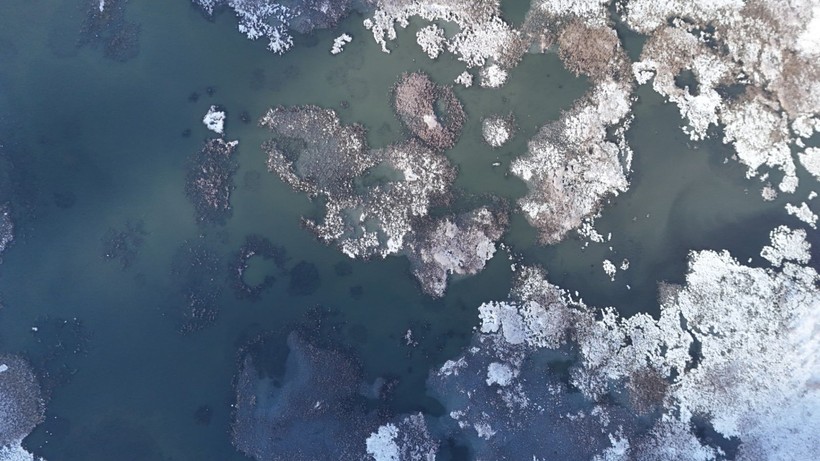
109,134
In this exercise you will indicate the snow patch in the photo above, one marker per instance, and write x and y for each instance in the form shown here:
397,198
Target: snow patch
339,43
214,120
803,213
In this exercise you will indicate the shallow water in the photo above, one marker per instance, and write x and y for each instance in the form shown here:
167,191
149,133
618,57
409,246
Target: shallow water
100,145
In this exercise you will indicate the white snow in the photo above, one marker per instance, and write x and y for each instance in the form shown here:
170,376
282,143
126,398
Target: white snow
482,34
492,76
760,136
618,451
258,19
592,12
430,120
15,452
465,79
803,213
787,245
495,130
587,231
808,42
768,193
339,43
500,373
382,446
810,159
431,39
610,269
214,120
452,367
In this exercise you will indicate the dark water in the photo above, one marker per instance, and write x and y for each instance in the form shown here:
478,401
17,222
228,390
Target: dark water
98,150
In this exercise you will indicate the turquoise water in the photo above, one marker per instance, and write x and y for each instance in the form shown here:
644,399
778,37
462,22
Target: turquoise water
97,144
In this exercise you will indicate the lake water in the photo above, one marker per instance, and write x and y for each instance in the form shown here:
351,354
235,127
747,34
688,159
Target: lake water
94,147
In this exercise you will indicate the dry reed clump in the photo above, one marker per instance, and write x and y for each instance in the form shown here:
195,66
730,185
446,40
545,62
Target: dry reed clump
431,112
592,50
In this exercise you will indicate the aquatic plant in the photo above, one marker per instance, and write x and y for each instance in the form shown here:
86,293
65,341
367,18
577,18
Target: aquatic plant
377,201
313,409
197,271
57,345
304,279
254,246
209,181
123,244
108,28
